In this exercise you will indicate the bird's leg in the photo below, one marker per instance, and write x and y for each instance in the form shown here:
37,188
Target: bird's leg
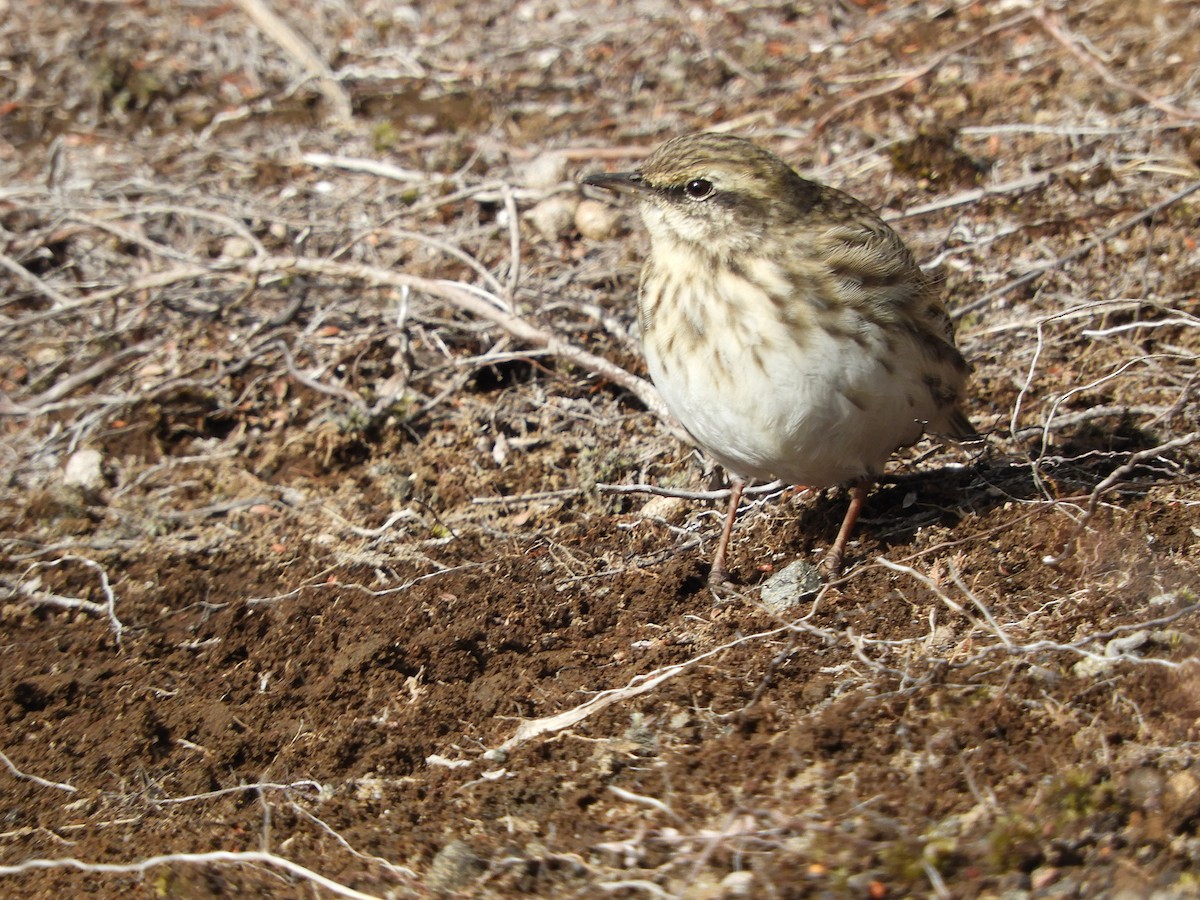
716,575
832,563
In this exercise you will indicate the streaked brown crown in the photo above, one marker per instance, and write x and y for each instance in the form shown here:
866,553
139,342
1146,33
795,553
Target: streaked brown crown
734,165
731,182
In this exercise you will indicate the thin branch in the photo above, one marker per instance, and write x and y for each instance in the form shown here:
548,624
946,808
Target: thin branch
259,787
35,405
368,167
328,829
514,246
24,274
302,53
1053,26
479,303
1117,476
246,858
722,494
17,773
640,684
915,74
1082,250
966,198
319,386
108,609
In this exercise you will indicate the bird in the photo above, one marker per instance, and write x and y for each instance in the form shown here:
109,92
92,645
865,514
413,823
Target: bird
787,327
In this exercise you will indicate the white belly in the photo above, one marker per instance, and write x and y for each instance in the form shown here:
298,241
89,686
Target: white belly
820,413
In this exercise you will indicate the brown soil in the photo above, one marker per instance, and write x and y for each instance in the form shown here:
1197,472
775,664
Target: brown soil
345,557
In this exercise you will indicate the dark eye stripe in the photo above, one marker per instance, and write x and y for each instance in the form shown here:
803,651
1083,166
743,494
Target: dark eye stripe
693,189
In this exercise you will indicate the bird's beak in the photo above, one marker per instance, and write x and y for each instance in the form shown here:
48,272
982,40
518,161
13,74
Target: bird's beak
619,182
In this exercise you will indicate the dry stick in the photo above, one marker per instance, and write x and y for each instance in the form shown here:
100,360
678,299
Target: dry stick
1065,397
1077,252
450,250
1058,423
369,167
242,788
476,302
1094,500
131,237
1114,648
108,608
24,274
656,490
532,728
208,215
1053,26
1091,310
516,499
33,405
1016,186
514,246
302,53
250,857
320,387
920,72
145,283
333,833
17,773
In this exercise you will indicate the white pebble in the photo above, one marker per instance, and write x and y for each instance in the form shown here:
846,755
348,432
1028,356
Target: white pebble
554,217
738,884
788,587
596,221
672,509
236,248
83,470
545,172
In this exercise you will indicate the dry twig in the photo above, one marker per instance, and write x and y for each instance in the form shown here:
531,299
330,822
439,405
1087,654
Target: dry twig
215,857
1116,477
302,52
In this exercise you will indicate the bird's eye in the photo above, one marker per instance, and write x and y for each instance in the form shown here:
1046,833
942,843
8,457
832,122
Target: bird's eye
698,188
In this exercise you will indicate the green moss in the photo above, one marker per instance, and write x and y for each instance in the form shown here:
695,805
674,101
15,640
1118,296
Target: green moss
1013,845
384,136
1077,795
903,860
908,860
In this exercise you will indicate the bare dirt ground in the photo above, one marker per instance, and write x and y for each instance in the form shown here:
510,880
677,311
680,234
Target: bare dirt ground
312,371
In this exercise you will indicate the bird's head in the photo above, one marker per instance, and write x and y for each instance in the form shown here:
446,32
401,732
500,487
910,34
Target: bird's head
716,193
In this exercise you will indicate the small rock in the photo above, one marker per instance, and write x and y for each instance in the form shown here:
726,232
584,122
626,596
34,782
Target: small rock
1181,799
47,356
596,221
737,884
1090,668
542,173
236,248
293,496
1042,877
453,868
1126,643
1146,786
83,471
670,509
554,217
787,588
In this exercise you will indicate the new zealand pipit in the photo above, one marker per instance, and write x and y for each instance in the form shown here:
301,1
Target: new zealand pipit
786,325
